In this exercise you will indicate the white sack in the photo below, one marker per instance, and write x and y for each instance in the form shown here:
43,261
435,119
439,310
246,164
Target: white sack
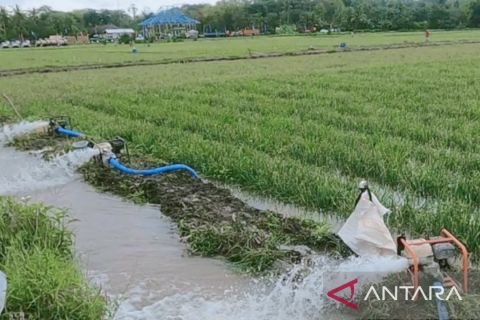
365,232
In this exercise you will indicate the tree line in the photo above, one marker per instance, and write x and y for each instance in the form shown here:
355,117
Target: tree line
266,15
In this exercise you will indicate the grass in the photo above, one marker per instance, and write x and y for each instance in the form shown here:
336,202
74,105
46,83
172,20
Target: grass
300,129
38,58
44,281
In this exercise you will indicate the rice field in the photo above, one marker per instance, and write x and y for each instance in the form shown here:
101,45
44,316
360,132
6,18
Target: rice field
38,58
302,130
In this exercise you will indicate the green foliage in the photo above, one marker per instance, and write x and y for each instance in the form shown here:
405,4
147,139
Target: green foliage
44,284
286,29
475,14
268,15
43,22
44,281
124,39
176,39
255,247
207,241
30,227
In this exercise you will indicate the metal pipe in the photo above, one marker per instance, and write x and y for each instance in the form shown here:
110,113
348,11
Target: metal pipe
415,259
462,248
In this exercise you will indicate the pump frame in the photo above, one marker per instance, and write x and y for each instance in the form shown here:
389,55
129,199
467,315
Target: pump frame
445,237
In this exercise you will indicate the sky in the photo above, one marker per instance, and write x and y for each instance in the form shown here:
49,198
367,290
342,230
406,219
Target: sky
66,5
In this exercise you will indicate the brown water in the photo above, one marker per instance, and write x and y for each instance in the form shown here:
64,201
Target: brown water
132,244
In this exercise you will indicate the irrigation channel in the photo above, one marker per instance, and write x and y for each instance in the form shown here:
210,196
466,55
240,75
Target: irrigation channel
135,255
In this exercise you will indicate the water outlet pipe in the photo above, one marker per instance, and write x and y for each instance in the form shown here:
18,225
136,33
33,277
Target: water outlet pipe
441,308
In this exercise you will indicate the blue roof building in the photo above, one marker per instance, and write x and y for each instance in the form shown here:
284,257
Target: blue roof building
168,21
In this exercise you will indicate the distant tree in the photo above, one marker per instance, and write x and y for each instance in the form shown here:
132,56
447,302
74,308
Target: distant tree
4,23
474,20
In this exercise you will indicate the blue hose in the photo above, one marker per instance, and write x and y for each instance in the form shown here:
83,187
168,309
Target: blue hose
148,172
117,165
70,133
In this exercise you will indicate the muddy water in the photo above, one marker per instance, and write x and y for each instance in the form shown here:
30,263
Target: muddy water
134,245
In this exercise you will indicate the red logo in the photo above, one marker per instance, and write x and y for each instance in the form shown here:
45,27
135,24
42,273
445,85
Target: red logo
351,284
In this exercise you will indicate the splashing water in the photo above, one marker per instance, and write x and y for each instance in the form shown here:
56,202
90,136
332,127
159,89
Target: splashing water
7,132
295,295
22,173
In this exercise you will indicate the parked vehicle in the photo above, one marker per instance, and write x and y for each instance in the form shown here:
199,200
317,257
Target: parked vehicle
5,45
15,44
55,40
331,30
191,34
26,44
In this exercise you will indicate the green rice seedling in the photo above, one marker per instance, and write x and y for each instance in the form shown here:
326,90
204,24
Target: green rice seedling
44,280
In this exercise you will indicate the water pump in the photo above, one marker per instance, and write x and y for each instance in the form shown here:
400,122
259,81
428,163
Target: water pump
112,149
58,122
435,256
60,125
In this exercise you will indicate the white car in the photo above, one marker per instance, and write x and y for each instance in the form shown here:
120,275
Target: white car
5,45
26,44
191,34
15,44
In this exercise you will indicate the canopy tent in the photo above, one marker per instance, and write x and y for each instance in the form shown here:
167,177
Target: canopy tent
172,21
118,32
